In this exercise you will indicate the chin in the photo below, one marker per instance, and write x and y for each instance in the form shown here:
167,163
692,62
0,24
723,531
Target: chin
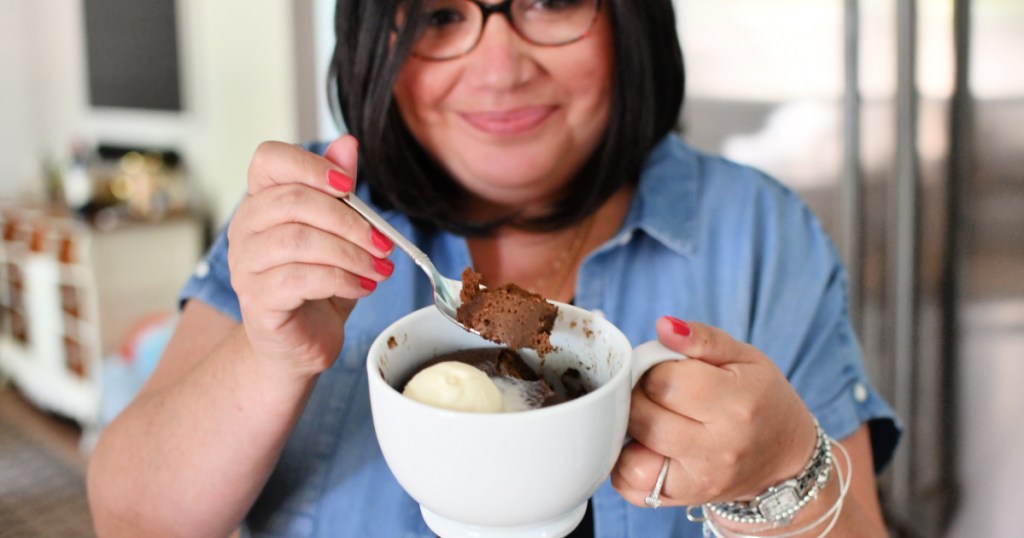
518,163
502,181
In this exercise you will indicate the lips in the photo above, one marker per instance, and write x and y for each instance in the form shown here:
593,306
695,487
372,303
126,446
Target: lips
509,122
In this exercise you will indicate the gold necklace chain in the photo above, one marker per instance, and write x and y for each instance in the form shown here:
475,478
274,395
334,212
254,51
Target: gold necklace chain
563,265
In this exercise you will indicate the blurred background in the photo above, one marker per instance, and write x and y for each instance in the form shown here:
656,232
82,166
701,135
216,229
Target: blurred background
126,128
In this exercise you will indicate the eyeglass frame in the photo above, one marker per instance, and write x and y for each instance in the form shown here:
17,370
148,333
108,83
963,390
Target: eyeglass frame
505,8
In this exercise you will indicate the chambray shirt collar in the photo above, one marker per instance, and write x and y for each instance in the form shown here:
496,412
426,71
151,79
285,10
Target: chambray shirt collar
665,204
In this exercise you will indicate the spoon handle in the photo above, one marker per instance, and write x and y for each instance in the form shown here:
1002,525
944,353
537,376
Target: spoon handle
394,235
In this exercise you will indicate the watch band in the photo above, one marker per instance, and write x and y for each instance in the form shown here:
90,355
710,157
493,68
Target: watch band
779,503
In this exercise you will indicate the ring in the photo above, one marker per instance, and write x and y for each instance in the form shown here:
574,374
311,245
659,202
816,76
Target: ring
653,500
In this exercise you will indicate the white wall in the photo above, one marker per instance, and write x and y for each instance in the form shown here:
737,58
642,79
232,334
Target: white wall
323,29
38,66
239,89
16,151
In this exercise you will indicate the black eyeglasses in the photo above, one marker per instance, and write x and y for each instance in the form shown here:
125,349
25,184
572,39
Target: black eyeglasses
451,28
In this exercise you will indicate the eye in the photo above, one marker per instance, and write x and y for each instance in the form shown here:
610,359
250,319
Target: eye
442,17
554,5
442,14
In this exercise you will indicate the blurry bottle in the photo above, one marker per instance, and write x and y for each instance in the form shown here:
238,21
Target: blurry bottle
76,183
54,182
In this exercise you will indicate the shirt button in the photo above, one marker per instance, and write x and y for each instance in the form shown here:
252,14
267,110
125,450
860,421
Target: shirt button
860,393
203,269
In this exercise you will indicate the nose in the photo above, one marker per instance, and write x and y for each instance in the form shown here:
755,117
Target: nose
499,60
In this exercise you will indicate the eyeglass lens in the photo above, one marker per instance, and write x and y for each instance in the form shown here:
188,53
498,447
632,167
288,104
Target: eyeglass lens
453,27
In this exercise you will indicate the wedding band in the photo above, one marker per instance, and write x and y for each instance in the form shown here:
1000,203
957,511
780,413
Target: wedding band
653,500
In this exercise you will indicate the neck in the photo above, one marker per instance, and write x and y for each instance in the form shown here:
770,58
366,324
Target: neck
547,262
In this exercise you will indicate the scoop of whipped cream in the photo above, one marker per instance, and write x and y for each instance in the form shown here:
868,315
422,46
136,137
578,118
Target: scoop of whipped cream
456,386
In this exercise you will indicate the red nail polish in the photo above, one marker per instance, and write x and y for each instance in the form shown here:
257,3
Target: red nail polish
367,284
383,266
679,326
339,181
380,240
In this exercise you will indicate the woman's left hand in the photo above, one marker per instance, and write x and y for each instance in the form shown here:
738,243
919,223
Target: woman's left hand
728,419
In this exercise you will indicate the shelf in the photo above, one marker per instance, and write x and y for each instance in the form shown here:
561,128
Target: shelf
74,293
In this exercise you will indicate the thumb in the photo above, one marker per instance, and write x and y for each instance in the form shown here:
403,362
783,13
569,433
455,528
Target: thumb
344,152
703,342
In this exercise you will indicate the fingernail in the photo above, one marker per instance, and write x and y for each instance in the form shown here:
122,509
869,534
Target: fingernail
679,326
367,284
380,240
339,181
383,266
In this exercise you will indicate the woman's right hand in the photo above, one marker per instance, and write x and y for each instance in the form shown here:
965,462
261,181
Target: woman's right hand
299,257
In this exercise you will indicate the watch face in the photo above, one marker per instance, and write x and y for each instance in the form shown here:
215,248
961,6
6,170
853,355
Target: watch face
776,503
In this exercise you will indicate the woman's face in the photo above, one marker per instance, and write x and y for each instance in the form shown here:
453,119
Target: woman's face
512,121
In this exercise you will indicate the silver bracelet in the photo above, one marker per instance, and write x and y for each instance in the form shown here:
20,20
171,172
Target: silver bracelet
780,503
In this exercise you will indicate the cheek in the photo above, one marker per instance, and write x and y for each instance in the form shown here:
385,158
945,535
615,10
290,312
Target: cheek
413,97
420,94
421,89
596,88
407,93
591,89
590,80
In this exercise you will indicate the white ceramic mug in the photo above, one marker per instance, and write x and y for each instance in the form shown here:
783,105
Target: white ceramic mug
523,474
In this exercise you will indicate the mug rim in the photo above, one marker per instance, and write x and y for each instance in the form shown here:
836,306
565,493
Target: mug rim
375,377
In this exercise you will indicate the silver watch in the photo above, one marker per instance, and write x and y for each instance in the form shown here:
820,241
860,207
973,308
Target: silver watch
779,503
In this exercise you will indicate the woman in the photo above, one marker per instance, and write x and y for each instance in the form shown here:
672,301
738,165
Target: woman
534,145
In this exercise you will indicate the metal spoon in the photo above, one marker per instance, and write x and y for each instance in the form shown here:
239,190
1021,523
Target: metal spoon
446,290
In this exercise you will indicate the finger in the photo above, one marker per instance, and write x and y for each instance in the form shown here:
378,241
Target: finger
344,152
636,473
693,389
664,431
277,163
299,243
287,287
704,342
297,203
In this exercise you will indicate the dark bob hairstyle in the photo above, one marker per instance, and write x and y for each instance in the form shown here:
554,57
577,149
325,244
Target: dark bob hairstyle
647,96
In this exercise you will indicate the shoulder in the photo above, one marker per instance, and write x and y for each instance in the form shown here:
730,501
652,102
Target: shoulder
705,198
677,169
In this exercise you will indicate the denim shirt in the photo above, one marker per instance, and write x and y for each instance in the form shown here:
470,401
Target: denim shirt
705,239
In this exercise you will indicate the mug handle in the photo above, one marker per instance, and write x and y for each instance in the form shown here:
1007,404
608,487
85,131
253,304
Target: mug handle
648,354
645,356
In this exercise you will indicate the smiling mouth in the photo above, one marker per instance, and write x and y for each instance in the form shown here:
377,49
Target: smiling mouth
509,122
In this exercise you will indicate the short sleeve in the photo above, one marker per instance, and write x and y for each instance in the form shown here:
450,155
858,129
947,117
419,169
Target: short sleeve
211,281
830,377
801,321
